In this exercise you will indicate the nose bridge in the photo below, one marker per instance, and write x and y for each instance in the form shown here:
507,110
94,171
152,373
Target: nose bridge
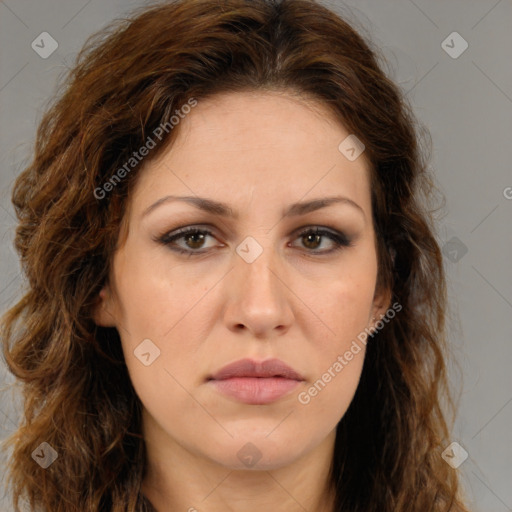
257,260
259,298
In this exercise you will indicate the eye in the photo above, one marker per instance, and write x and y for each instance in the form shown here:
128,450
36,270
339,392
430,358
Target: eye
194,239
312,239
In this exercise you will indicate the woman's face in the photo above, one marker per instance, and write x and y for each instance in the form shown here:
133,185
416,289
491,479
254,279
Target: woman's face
253,283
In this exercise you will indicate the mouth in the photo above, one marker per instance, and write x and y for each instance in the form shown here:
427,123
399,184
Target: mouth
256,383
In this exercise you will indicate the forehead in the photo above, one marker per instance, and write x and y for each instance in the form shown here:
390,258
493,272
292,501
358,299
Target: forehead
259,121
273,147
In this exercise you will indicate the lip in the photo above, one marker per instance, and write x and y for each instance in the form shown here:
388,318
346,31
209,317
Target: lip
254,382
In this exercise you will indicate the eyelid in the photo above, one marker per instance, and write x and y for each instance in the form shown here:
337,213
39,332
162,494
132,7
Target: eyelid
339,238
181,231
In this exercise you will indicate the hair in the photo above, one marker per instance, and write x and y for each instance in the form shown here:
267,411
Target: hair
128,80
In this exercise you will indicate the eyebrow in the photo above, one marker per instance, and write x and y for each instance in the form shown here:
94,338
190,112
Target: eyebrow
223,210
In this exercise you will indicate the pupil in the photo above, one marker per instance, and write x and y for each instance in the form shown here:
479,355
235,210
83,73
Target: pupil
198,242
310,236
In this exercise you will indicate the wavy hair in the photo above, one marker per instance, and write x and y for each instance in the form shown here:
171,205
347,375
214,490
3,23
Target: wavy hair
129,79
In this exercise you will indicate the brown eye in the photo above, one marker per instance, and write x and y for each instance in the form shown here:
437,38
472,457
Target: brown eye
194,239
312,239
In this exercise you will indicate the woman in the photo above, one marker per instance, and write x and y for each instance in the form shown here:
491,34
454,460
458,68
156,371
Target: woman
236,299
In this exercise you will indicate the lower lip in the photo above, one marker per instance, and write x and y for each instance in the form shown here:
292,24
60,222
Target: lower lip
256,390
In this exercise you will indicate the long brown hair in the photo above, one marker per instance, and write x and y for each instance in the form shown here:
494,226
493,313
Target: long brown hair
128,81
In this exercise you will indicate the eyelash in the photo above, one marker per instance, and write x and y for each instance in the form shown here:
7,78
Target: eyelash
340,239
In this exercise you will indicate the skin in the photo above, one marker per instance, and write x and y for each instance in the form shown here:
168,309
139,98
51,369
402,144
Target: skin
257,152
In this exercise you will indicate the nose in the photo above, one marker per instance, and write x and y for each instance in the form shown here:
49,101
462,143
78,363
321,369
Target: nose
259,296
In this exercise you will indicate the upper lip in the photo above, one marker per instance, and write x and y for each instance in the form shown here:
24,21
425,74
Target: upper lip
251,368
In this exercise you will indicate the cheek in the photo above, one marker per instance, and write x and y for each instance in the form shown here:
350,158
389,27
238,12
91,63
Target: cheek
343,305
330,394
340,344
338,358
157,303
155,297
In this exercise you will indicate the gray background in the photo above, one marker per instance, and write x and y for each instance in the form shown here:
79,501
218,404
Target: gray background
465,102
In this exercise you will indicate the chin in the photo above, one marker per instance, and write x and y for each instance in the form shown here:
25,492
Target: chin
259,451
254,459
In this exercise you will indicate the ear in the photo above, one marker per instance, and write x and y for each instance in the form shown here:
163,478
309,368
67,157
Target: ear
381,303
103,308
